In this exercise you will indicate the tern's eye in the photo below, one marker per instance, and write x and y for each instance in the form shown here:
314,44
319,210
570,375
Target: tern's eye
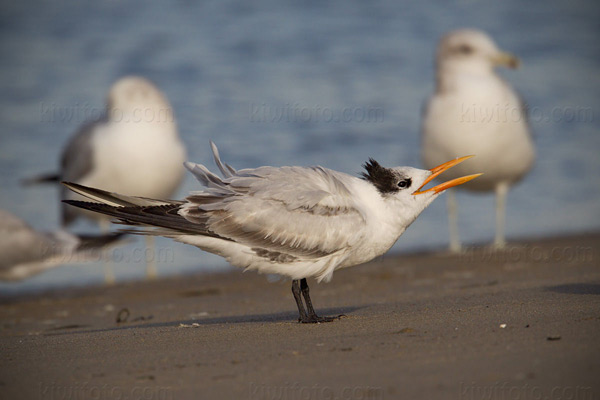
405,183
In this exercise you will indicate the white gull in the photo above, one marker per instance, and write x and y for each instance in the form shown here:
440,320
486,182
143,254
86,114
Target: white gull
134,149
474,111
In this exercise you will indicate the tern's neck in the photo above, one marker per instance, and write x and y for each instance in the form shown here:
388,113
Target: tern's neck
402,213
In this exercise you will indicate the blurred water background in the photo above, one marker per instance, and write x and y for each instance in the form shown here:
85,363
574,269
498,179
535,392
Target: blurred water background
295,83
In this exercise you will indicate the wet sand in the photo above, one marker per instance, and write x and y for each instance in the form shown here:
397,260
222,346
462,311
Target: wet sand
516,324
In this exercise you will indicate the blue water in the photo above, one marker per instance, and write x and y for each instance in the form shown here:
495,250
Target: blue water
280,83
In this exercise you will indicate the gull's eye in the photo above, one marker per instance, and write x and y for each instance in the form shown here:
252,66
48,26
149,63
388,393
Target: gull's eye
465,49
405,183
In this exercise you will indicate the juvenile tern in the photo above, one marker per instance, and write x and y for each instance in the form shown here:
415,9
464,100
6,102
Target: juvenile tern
25,252
298,222
474,111
133,149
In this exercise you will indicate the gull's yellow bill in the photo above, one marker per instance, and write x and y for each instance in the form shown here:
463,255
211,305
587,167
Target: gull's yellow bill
446,185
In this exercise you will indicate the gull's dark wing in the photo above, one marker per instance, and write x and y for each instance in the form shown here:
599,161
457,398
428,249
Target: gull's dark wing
77,161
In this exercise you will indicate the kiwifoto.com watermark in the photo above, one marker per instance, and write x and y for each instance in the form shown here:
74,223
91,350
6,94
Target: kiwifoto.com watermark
83,112
86,390
507,113
297,391
298,113
531,253
508,391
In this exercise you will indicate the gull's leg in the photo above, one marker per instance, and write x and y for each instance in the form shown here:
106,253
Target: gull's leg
151,269
312,315
455,246
296,291
109,273
501,192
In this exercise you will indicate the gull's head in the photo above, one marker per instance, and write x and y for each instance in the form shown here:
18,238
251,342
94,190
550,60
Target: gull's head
404,187
139,97
472,51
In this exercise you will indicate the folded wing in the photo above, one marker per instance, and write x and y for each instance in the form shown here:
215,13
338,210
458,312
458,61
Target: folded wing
303,212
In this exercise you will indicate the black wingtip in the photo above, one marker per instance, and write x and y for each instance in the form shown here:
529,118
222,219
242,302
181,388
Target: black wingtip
81,204
68,184
47,178
89,242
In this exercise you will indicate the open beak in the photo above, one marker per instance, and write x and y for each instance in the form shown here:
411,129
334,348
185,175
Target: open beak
507,60
446,185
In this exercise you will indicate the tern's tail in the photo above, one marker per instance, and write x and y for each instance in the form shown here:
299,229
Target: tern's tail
114,199
138,211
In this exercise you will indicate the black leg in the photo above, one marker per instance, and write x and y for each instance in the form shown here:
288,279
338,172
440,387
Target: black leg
311,316
305,293
296,291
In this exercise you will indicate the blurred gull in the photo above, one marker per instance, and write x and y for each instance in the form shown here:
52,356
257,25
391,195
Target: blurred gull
25,252
134,149
474,111
298,222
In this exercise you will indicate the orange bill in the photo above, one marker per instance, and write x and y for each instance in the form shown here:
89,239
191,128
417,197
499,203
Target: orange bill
446,185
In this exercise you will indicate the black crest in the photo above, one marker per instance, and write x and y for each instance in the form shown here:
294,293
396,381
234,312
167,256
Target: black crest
384,179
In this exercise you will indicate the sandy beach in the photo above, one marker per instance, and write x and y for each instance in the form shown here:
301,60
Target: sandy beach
515,324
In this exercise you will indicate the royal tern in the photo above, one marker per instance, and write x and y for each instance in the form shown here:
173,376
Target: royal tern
474,111
25,252
134,149
298,222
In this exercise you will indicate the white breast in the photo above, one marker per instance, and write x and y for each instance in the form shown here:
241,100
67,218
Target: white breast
483,117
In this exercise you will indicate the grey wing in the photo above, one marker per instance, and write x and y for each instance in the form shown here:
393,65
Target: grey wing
525,112
302,212
77,161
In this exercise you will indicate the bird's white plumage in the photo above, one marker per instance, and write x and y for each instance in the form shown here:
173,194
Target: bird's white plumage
136,150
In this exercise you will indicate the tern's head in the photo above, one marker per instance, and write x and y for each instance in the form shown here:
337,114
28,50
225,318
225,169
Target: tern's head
404,187
139,98
472,51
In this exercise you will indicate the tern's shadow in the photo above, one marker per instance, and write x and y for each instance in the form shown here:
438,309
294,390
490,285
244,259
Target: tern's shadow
290,317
